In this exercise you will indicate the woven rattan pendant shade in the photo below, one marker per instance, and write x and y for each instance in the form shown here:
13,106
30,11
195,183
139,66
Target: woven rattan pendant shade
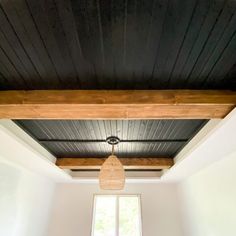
112,174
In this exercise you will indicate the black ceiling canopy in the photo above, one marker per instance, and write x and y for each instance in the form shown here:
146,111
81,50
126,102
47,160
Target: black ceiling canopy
87,138
117,44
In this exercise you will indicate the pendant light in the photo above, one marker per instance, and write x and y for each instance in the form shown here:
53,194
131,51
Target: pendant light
112,174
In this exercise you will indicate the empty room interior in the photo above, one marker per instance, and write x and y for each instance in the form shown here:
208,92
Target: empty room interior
117,117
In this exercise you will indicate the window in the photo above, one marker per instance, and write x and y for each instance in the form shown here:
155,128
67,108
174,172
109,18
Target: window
116,215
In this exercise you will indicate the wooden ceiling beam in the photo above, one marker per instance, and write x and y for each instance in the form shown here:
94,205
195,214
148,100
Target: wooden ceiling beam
118,104
128,163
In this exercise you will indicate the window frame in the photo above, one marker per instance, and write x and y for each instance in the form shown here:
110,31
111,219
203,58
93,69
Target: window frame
117,210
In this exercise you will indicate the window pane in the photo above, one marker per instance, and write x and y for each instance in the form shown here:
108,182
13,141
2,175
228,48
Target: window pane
105,216
129,216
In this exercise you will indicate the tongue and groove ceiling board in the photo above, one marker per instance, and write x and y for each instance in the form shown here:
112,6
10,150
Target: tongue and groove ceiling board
113,44
86,138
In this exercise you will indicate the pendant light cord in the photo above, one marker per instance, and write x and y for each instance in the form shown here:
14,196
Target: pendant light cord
112,152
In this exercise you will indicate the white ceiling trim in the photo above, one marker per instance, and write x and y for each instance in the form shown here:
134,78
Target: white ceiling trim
131,177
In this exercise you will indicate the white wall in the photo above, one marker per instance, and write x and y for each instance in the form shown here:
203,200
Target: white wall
209,200
25,201
72,209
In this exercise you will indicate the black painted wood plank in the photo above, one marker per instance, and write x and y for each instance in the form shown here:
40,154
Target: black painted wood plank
151,49
216,55
26,68
56,47
119,30
130,41
15,22
168,34
101,65
229,80
187,10
55,25
3,69
16,12
179,14
83,67
144,16
180,23
7,68
4,85
105,20
142,20
216,34
205,32
88,20
85,32
28,27
9,71
200,13
222,66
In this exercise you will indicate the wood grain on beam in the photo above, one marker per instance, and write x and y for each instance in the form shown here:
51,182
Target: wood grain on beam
128,163
119,104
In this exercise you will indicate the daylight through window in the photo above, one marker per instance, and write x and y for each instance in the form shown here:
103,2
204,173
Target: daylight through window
116,215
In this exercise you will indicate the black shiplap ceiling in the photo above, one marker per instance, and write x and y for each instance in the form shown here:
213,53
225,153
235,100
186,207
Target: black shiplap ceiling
117,44
67,138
